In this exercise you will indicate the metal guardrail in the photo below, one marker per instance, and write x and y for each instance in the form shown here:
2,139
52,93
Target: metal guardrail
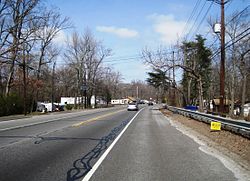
239,127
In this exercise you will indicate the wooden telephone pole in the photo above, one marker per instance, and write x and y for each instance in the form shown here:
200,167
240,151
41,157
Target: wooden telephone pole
53,86
222,66
223,55
174,95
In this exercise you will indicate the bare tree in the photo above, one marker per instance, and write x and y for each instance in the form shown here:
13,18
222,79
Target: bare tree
21,13
239,53
244,67
85,55
74,56
50,25
4,33
195,64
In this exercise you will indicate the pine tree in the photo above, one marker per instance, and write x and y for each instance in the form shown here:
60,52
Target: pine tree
197,70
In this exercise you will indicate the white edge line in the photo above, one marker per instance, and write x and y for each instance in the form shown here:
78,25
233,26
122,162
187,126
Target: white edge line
104,155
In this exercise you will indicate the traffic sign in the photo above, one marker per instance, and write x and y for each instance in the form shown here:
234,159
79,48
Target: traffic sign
215,126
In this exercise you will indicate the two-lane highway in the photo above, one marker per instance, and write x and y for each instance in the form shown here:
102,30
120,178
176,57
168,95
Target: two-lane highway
57,147
152,149
105,144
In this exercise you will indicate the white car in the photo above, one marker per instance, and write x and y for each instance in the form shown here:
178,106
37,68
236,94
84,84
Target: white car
132,106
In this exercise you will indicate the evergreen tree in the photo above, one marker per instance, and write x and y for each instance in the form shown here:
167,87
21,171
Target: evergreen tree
197,65
159,80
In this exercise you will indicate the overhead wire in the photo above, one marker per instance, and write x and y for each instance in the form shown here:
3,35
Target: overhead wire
203,18
138,56
196,19
228,44
238,14
122,59
191,16
228,5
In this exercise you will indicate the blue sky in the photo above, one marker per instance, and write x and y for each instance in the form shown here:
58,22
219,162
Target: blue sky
127,26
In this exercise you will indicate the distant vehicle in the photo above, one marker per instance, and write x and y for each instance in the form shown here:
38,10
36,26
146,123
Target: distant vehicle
47,107
192,108
133,106
119,101
141,102
150,103
59,107
41,108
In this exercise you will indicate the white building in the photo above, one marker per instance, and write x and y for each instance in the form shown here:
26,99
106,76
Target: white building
246,110
119,101
70,100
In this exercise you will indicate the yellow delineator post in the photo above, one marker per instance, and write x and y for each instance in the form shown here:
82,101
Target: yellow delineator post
215,126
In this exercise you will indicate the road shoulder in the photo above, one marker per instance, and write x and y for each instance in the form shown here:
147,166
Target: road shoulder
231,145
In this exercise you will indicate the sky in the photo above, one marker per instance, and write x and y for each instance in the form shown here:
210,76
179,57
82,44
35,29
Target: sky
128,26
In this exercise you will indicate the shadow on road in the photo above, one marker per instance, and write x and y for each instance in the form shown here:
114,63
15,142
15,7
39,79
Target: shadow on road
83,165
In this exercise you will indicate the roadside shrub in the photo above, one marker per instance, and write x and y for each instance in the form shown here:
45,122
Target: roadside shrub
69,106
2,106
10,105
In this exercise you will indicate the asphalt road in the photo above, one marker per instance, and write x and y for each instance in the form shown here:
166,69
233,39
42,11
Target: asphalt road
118,144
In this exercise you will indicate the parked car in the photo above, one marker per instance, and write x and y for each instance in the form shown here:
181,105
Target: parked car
133,106
191,107
59,107
41,108
150,103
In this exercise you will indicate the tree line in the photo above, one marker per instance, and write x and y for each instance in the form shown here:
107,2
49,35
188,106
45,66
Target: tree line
27,31
34,67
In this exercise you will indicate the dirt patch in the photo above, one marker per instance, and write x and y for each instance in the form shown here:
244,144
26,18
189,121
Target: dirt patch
222,140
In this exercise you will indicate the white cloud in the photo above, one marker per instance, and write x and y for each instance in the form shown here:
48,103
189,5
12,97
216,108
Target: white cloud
121,32
60,38
168,27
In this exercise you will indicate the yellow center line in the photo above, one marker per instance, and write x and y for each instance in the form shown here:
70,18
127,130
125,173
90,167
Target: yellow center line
95,119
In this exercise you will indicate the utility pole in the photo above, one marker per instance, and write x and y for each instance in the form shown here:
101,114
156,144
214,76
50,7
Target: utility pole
52,86
85,86
223,55
222,65
174,97
24,85
137,92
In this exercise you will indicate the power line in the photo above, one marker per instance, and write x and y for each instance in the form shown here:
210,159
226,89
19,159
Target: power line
138,56
228,43
196,19
122,59
116,61
202,20
191,16
238,14
229,4
197,29
120,62
238,39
